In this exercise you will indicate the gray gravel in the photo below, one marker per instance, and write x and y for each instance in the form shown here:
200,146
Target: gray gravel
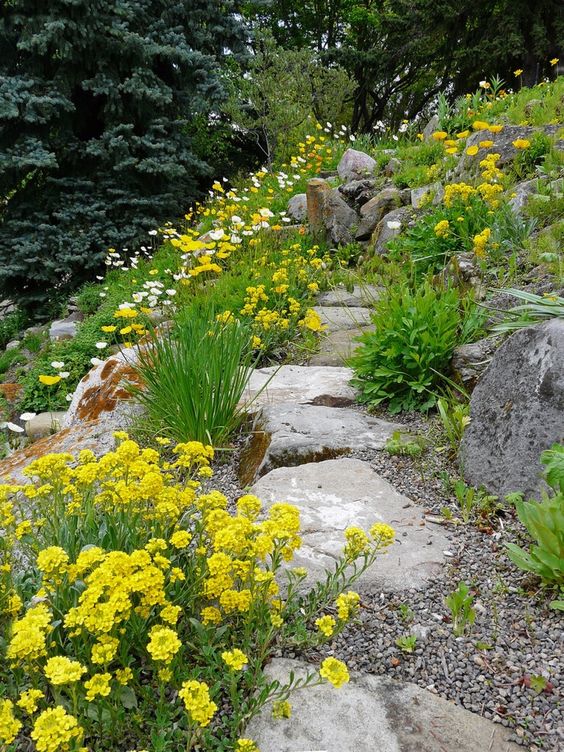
515,636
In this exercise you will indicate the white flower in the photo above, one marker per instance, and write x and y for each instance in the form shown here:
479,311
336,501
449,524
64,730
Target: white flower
64,374
15,428
96,361
152,232
99,278
27,416
396,138
170,292
216,234
265,213
394,225
68,397
101,345
102,294
352,137
57,364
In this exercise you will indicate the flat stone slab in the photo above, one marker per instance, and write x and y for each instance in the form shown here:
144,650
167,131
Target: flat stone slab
371,714
288,435
337,318
336,494
337,347
314,385
360,296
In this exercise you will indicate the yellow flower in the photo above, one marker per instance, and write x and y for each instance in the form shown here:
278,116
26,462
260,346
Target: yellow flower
357,542
124,676
440,135
442,228
347,605
312,321
495,128
246,745
164,644
326,625
472,151
49,380
210,615
108,329
180,538
9,724
554,61
463,134
196,698
62,670
480,125
99,684
485,144
281,709
518,72
382,533
521,143
55,730
334,671
104,650
235,659
28,701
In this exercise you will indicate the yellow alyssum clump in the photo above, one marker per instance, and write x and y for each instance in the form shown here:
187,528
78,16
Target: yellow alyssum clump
357,543
347,605
442,228
196,698
98,686
164,644
458,192
63,670
9,724
326,625
29,635
55,730
383,534
29,699
235,659
480,242
334,671
246,745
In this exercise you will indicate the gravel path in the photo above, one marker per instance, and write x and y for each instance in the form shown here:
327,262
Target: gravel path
496,669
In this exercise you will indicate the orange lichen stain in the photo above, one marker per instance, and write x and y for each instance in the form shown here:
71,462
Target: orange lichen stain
104,397
10,391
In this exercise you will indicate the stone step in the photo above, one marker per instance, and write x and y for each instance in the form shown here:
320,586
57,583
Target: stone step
337,347
287,434
336,318
371,714
336,494
361,295
315,385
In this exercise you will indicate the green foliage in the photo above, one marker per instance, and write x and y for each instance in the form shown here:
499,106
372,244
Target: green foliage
455,417
10,358
534,309
10,326
544,521
472,500
526,160
193,378
460,604
403,445
406,643
402,361
94,148
546,209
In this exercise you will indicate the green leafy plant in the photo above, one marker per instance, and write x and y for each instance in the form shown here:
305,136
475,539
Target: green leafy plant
402,360
544,521
406,643
455,417
10,326
527,160
403,445
193,378
406,613
460,604
534,309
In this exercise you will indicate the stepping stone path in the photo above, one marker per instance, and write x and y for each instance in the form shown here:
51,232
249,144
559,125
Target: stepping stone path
337,494
372,714
303,424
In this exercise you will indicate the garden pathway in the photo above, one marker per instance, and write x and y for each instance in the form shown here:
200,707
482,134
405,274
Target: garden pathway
303,424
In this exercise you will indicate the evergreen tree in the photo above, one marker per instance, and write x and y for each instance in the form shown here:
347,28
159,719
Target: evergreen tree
98,101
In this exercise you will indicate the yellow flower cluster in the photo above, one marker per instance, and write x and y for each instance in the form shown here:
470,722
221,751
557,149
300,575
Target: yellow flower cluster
481,241
334,671
458,192
442,228
196,698
234,659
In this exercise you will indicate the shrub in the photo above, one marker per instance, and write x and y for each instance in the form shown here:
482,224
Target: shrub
544,521
194,376
402,361
10,326
147,608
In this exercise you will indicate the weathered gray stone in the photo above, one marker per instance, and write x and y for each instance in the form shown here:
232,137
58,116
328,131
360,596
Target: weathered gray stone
339,218
523,192
62,329
393,166
392,225
337,347
304,385
44,424
340,296
431,127
337,494
358,192
297,207
102,393
355,165
433,193
340,317
517,411
287,435
471,360
502,145
374,210
371,714
13,344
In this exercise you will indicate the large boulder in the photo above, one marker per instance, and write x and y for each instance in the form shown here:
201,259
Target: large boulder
517,411
358,192
502,145
470,361
432,193
522,192
355,165
297,207
340,219
392,225
63,329
374,210
431,127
